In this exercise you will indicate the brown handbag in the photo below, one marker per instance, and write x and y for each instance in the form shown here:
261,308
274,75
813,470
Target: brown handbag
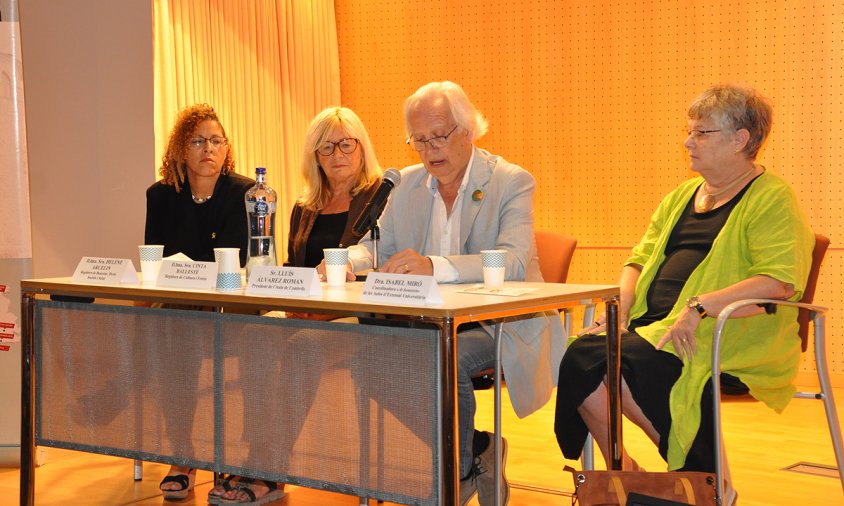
614,488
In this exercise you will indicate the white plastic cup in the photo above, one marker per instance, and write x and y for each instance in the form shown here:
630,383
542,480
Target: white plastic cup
150,255
336,260
493,264
228,268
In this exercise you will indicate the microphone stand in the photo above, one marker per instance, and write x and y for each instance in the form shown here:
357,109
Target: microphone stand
374,233
374,236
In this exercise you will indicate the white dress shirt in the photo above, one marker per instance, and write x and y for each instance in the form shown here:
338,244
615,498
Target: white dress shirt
444,238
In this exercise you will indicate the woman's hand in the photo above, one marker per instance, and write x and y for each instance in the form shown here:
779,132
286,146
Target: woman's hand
599,326
320,269
682,334
408,262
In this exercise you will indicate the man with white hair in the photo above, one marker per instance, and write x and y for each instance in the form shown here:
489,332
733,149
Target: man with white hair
460,200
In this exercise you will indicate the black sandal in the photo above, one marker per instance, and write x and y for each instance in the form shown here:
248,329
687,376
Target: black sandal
186,481
274,493
226,483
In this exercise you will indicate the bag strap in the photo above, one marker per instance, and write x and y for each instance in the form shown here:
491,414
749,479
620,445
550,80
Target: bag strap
683,484
616,485
578,479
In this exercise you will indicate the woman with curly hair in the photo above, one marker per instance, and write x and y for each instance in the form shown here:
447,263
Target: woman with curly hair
198,203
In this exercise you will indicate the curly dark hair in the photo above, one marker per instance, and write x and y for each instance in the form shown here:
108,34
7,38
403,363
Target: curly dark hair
173,168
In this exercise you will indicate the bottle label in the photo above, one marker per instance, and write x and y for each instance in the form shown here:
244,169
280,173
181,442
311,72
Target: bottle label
261,207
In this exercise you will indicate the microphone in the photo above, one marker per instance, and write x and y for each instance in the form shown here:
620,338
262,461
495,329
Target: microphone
375,206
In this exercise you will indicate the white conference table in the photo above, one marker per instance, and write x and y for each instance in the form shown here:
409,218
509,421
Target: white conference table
455,310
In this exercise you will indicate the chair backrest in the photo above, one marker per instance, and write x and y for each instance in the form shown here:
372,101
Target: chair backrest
555,253
821,245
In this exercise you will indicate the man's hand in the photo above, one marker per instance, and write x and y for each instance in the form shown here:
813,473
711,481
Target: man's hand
408,262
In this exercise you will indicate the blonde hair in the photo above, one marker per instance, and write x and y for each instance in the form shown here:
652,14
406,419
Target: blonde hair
733,107
173,168
317,193
462,110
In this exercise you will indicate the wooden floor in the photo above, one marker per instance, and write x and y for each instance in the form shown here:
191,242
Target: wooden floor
760,445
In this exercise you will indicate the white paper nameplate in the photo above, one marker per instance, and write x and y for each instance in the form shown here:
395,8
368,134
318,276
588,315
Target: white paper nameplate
108,271
178,274
405,289
269,280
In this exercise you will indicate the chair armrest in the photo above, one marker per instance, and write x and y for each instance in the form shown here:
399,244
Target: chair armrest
725,314
817,313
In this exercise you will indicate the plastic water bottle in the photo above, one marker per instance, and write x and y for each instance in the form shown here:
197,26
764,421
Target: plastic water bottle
260,214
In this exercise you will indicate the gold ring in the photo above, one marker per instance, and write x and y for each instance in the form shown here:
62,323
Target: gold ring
406,268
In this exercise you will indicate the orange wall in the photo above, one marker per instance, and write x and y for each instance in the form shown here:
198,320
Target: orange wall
590,97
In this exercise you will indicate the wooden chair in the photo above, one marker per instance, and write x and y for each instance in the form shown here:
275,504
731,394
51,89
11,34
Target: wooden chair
555,252
807,313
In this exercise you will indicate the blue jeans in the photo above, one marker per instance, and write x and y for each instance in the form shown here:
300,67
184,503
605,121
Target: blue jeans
475,353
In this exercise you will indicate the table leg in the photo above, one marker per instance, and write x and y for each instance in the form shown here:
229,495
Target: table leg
449,451
614,385
27,476
499,326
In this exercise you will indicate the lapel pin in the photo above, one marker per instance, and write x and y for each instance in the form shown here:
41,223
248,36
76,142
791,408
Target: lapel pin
477,195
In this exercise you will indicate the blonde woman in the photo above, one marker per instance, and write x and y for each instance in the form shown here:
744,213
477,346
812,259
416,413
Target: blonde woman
341,174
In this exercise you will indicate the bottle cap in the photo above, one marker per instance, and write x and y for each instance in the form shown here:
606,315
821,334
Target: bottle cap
260,170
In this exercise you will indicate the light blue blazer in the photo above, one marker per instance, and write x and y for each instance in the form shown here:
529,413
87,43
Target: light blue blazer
501,219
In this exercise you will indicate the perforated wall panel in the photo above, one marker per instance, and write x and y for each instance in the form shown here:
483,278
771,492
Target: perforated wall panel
591,98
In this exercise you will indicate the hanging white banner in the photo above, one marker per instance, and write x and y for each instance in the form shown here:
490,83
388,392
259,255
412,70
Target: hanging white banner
16,236
16,240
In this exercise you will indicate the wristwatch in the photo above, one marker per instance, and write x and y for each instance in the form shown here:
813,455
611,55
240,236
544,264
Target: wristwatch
695,303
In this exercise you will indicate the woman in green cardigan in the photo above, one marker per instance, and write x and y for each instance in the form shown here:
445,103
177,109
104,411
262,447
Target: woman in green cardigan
735,232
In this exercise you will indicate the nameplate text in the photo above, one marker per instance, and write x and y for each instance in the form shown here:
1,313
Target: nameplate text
105,271
284,281
181,274
404,289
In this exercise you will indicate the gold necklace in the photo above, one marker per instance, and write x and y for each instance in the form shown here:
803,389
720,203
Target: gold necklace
707,201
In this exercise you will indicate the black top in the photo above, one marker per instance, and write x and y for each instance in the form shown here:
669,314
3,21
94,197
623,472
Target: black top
181,225
326,233
302,220
689,243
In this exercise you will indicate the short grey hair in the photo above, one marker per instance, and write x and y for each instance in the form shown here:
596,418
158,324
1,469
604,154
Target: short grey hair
733,107
462,110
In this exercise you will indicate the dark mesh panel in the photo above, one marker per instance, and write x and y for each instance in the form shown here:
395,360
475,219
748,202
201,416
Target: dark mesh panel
125,384
346,407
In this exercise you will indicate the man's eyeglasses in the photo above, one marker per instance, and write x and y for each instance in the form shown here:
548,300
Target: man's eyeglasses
437,142
347,146
216,142
698,134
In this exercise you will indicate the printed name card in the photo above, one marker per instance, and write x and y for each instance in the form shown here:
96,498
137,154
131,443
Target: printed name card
180,274
405,289
269,280
105,271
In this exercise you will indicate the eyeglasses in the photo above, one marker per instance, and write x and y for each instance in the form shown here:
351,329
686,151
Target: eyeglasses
698,134
216,142
437,142
347,146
